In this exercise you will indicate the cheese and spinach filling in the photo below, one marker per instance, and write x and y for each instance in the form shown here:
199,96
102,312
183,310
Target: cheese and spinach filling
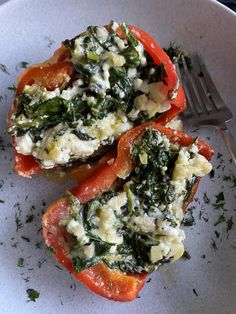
116,85
135,227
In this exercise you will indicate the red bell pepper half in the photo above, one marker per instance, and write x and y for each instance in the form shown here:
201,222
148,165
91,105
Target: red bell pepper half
111,284
55,72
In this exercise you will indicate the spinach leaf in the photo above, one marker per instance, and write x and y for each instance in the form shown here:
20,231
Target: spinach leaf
69,43
152,72
134,42
132,58
82,136
80,264
121,84
151,183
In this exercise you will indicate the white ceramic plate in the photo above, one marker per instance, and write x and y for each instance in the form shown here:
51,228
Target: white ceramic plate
30,31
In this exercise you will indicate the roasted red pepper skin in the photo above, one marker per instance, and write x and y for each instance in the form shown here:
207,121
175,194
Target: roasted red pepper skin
55,71
111,284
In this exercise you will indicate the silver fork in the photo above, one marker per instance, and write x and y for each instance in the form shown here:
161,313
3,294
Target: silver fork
205,107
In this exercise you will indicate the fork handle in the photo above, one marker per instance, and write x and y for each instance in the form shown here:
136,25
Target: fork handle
229,141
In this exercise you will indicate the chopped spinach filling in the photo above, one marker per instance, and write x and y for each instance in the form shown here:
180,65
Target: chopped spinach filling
136,227
110,75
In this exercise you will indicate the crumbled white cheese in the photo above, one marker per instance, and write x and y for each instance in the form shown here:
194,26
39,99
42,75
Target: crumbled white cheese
102,33
110,161
102,79
138,83
114,26
24,144
141,85
164,228
107,221
77,229
53,149
89,251
154,100
176,251
107,228
143,61
186,167
158,252
120,43
75,90
111,125
145,223
140,102
152,71
175,124
116,202
140,50
157,92
200,165
132,72
78,51
114,59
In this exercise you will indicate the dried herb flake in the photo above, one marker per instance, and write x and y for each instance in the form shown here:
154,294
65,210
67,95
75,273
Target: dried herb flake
32,295
4,69
20,262
220,219
206,198
186,255
229,224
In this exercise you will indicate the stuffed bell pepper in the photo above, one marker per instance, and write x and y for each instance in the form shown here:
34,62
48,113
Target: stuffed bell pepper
73,107
124,221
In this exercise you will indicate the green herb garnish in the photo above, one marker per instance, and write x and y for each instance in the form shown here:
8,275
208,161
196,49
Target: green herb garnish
212,174
50,249
206,198
29,218
176,52
189,219
230,178
32,295
18,222
20,262
213,244
23,64
186,255
12,88
229,224
195,292
4,69
25,238
50,41
220,201
220,219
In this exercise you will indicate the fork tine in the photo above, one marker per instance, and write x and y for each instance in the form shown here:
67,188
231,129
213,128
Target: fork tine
205,101
210,88
189,111
189,91
198,103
